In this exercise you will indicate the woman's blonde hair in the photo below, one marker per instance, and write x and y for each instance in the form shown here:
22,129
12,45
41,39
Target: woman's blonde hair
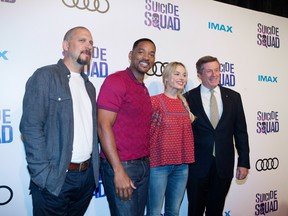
168,70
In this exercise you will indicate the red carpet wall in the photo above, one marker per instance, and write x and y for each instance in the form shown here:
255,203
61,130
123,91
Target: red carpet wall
251,46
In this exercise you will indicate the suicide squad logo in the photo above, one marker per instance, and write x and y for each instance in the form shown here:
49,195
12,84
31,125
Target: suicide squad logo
268,36
266,203
98,66
227,75
6,129
162,16
99,192
267,122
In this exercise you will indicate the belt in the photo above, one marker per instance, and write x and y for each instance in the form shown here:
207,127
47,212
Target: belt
79,166
138,159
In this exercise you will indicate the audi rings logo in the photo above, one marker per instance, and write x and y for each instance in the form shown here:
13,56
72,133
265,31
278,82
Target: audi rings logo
267,164
157,69
3,190
93,5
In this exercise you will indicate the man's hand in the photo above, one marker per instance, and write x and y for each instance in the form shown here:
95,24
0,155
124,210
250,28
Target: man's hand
241,173
123,185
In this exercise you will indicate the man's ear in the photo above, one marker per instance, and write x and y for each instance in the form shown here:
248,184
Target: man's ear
65,45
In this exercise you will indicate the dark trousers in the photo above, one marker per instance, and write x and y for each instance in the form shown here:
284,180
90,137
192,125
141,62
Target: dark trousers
73,199
207,194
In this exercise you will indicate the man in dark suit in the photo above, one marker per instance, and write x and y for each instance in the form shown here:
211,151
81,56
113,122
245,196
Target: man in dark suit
211,175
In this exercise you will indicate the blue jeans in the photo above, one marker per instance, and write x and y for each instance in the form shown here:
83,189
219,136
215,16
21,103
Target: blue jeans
138,171
167,182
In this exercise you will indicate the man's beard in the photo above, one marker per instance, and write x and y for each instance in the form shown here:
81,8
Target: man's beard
83,61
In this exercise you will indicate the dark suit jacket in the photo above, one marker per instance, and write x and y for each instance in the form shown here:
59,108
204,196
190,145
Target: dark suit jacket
232,124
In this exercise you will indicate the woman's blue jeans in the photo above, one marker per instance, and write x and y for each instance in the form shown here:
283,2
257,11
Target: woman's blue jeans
167,182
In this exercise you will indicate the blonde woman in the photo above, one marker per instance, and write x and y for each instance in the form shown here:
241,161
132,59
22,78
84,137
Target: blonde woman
171,144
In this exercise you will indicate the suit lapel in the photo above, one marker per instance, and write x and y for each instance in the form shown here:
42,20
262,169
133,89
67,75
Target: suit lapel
225,101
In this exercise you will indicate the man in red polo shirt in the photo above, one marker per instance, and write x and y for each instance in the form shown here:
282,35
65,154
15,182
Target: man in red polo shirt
124,115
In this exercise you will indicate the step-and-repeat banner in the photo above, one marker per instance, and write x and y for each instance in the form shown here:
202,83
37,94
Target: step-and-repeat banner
251,46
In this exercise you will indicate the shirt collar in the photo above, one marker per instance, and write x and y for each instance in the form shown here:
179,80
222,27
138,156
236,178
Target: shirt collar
204,89
131,75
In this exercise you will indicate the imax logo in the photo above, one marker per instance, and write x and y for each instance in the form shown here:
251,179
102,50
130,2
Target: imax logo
9,1
272,79
3,55
227,213
219,27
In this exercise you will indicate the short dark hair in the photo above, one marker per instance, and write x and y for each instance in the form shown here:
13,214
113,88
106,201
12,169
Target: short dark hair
141,40
70,32
203,60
